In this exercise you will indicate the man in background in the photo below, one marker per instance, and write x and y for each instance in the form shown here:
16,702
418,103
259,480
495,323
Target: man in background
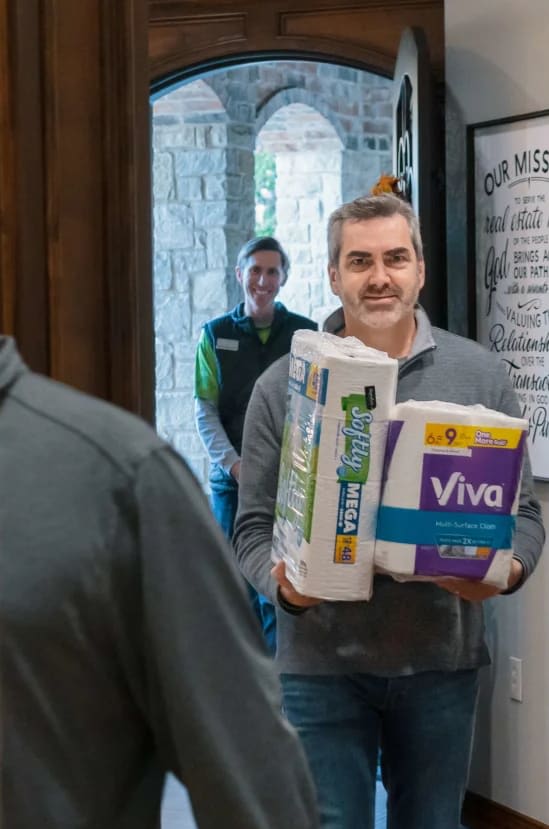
233,350
399,672
127,645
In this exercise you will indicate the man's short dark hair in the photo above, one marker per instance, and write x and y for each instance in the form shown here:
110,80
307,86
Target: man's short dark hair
263,243
384,205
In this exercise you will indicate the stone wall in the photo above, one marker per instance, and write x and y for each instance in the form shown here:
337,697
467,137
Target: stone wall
203,207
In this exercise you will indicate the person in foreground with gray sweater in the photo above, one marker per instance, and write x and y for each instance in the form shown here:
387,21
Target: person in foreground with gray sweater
398,673
127,644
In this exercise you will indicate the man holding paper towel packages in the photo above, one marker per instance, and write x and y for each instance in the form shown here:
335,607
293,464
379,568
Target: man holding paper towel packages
399,672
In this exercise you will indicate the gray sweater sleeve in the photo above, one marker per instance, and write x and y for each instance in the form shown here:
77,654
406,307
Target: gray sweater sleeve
214,437
208,688
262,439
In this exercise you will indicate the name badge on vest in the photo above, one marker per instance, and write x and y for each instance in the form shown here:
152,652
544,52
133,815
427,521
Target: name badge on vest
226,345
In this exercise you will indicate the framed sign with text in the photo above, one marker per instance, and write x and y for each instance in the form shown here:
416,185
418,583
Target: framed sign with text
508,163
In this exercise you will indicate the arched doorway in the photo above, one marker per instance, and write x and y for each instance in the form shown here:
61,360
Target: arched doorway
327,129
187,43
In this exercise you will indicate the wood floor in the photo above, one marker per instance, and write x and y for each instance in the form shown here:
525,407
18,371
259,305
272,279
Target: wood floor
177,812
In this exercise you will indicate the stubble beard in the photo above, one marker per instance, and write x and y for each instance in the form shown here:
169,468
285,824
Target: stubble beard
386,318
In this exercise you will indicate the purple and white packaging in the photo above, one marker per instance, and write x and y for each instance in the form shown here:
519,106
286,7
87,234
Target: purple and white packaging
450,493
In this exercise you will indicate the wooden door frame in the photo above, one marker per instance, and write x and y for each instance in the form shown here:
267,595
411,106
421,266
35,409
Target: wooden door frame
177,39
161,84
23,255
75,199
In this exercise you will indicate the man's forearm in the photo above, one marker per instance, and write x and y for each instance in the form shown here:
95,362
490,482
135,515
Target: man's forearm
530,532
214,437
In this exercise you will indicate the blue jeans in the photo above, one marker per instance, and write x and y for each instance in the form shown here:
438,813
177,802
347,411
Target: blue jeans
423,725
224,503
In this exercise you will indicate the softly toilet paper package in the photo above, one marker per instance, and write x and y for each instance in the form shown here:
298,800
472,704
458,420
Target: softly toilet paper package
340,394
451,491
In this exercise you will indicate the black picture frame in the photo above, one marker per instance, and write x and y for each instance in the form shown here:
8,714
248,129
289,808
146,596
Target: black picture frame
508,259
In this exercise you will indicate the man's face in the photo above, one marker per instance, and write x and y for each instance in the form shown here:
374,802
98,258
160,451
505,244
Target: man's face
378,277
261,280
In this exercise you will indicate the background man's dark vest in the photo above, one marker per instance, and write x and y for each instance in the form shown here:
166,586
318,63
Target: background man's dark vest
241,357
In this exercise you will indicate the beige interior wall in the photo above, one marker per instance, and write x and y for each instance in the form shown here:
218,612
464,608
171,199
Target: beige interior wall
497,64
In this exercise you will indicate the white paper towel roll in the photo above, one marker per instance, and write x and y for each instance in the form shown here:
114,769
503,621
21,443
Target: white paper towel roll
450,494
340,396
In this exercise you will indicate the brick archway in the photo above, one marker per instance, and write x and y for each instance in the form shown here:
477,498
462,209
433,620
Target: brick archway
308,154
298,95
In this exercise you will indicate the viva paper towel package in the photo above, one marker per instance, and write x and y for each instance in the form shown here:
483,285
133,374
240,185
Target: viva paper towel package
451,492
340,394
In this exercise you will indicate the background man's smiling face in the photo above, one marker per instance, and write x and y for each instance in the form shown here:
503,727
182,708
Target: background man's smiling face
261,280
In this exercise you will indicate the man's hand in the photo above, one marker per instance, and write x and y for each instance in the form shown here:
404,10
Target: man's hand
235,470
289,593
477,591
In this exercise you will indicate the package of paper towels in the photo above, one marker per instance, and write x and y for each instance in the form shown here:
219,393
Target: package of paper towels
340,394
450,493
